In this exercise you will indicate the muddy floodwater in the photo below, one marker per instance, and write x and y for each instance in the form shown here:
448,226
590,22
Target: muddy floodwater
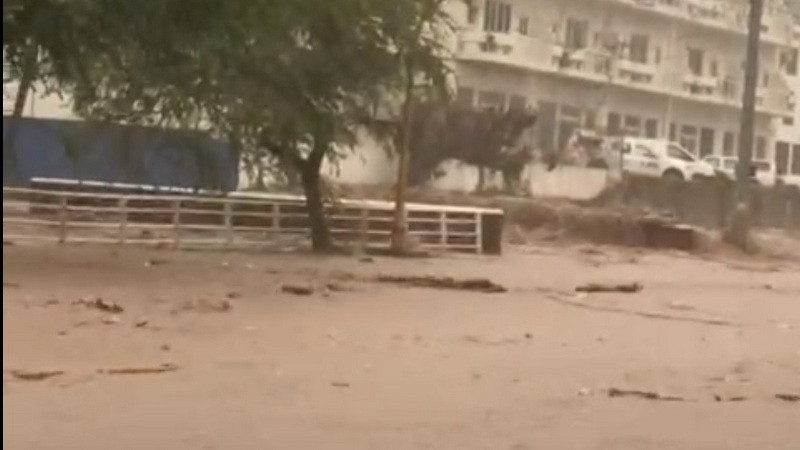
133,349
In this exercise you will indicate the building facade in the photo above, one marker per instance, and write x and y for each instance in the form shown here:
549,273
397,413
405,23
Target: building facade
652,68
787,136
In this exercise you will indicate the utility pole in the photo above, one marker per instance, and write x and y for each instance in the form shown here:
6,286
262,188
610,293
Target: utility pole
749,102
738,232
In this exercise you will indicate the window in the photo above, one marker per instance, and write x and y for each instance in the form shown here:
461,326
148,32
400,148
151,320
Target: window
658,56
614,124
465,96
792,65
781,157
765,80
728,144
788,121
489,99
714,69
674,151
516,102
796,159
576,34
639,48
761,148
497,17
590,119
644,152
706,141
673,135
570,112
651,128
568,121
522,28
546,125
713,161
695,61
688,138
632,126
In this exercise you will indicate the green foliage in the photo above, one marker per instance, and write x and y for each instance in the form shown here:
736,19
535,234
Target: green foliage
294,78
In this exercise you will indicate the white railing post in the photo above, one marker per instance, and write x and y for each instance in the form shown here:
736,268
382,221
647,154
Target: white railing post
228,223
62,219
176,223
443,229
122,206
478,233
276,217
363,229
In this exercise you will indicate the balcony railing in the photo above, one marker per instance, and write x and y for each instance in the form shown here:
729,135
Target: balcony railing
600,66
723,14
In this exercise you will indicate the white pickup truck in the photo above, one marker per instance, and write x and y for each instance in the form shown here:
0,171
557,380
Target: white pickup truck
660,158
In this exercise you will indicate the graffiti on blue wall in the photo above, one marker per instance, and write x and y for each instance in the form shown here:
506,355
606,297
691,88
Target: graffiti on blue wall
115,153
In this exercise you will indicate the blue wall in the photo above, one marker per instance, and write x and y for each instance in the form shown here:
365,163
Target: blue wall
115,153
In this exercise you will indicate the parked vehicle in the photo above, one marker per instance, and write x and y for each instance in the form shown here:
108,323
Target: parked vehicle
790,180
762,172
660,158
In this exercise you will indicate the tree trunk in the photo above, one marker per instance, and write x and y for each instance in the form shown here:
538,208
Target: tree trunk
25,81
320,234
481,179
400,228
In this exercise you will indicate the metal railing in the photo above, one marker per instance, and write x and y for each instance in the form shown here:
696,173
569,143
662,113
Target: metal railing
226,222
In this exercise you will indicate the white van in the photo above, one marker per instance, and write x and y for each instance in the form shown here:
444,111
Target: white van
764,171
660,158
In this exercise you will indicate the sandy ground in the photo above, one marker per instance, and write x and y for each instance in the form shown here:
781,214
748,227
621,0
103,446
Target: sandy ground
377,366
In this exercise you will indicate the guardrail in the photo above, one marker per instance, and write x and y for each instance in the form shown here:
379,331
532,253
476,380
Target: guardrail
228,222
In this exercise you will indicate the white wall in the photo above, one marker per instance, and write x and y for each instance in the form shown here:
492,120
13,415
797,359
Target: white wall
37,105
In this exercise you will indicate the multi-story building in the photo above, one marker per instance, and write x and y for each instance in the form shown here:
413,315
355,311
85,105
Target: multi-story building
787,136
654,68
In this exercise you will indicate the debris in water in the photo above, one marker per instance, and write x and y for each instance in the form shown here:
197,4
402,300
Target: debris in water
101,304
470,284
788,397
155,262
340,384
36,376
738,398
647,395
204,305
336,287
598,287
168,367
297,289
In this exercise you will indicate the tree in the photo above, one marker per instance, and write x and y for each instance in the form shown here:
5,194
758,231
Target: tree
420,51
486,138
294,78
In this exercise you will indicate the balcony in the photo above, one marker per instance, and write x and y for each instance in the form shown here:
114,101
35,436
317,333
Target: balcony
600,67
720,14
635,72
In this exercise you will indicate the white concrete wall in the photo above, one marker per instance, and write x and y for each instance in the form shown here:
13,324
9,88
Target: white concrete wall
567,182
37,105
368,163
